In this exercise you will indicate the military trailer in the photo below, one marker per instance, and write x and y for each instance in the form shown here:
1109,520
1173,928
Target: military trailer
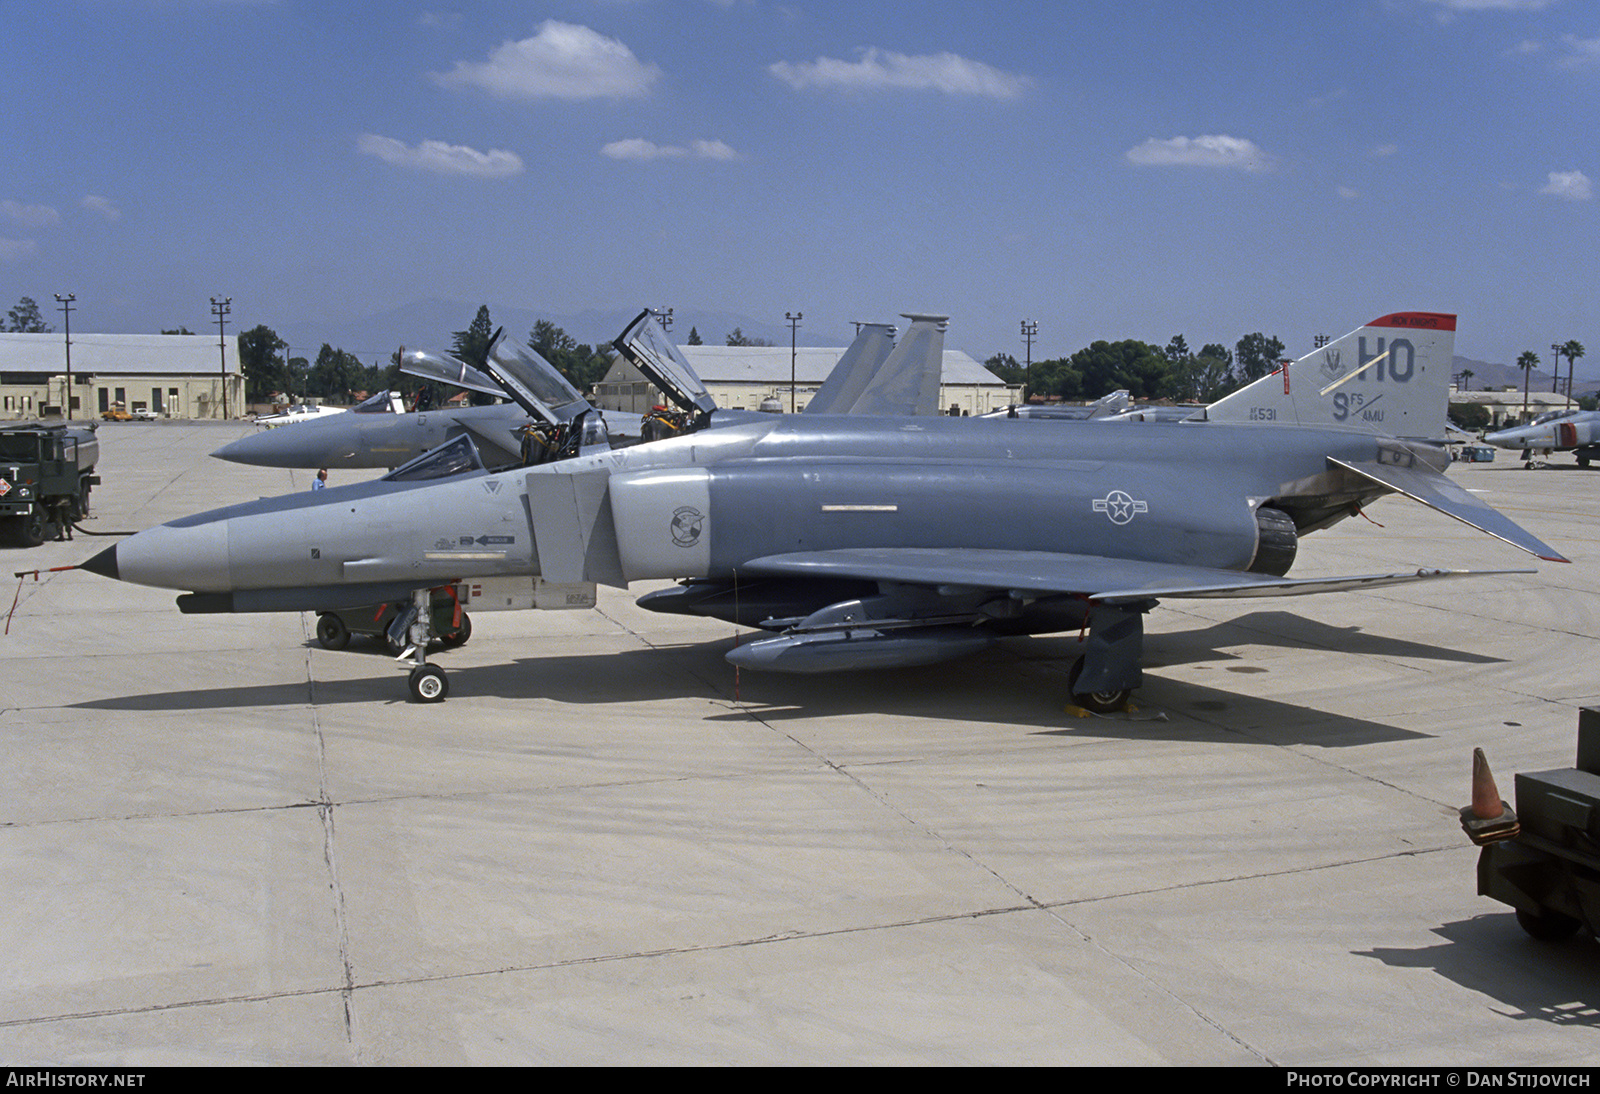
1543,858
45,475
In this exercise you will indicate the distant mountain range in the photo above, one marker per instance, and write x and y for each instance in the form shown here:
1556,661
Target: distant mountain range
1487,375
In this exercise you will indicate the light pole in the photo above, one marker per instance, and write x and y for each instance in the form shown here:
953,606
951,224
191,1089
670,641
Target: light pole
794,321
66,312
1555,380
1029,329
663,316
221,309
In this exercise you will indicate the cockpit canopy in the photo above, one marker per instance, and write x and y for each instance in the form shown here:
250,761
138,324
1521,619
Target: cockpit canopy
458,456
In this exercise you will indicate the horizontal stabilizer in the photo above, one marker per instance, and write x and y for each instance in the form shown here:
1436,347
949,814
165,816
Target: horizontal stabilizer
1107,580
1437,492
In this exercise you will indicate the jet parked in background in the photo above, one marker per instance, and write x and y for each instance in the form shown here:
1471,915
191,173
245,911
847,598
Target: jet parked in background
1575,431
874,376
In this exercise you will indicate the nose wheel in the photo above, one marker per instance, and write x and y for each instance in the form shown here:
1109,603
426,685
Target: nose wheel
412,630
428,684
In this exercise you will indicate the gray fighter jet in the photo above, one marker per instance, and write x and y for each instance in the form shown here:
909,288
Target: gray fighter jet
863,543
1575,431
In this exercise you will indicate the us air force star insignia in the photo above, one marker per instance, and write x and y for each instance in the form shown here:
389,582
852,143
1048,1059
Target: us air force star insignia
1120,507
686,524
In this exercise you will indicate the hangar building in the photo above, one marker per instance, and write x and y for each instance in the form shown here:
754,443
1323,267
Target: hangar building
743,377
175,375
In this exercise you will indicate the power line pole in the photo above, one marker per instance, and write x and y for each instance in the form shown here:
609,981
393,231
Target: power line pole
663,316
221,309
66,312
1029,329
794,322
1555,355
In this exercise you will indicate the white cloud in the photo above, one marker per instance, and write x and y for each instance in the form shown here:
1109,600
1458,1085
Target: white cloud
944,72
712,150
1572,185
1347,193
1492,5
97,204
1207,151
13,249
1581,52
31,216
445,159
1384,151
641,150
561,61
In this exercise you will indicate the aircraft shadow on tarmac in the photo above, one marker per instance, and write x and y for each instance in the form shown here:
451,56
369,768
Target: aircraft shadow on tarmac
1287,630
1557,983
1020,682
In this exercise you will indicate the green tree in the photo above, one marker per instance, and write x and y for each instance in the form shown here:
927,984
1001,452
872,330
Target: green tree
472,344
1527,363
694,337
738,337
1469,415
1571,350
178,330
264,371
25,318
1213,373
583,365
1256,355
1466,379
1104,367
336,374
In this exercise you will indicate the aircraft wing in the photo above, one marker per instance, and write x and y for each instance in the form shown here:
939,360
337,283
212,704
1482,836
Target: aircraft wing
1437,492
1097,578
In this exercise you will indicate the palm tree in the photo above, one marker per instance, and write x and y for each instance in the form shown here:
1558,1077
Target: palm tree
1571,350
1466,379
1527,363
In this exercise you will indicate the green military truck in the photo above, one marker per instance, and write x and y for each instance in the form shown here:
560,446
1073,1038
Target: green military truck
45,475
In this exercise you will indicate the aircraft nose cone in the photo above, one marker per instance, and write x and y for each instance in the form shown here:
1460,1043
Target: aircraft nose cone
263,449
104,564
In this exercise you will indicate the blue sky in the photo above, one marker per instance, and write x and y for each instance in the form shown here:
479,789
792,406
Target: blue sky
1107,169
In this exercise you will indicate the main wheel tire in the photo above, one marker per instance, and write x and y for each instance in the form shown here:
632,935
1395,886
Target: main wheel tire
1547,926
428,684
332,632
459,636
1097,702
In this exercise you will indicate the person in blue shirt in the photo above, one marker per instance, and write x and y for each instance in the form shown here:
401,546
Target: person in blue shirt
321,480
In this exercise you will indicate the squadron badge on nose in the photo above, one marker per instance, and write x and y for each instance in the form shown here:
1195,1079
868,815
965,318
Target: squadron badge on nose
687,522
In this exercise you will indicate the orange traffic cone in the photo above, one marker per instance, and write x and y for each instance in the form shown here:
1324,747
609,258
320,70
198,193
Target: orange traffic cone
1487,819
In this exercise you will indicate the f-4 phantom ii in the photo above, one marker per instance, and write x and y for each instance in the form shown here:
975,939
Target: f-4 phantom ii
862,543
1575,431
875,375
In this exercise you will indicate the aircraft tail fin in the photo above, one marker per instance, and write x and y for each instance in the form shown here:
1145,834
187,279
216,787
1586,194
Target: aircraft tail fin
908,380
849,378
1391,376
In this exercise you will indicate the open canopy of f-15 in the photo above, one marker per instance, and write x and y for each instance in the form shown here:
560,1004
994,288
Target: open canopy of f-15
861,542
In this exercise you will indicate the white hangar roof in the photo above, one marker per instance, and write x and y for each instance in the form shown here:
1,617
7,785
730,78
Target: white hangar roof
770,364
117,354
